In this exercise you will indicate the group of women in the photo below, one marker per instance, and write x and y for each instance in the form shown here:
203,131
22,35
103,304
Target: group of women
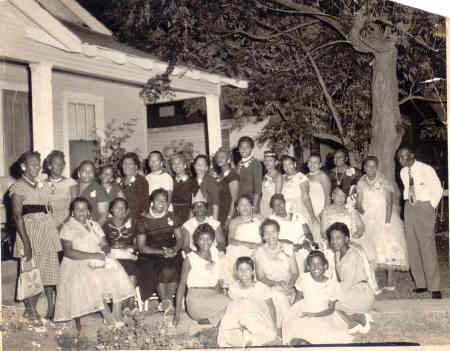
265,257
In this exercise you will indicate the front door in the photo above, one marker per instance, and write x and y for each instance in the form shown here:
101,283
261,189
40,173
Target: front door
17,135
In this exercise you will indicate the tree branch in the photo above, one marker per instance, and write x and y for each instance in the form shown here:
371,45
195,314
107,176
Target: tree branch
416,97
329,44
311,11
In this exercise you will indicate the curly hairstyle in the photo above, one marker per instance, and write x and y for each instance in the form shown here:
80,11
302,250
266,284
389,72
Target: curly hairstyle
204,228
79,199
338,226
49,159
159,191
312,254
246,139
133,156
267,222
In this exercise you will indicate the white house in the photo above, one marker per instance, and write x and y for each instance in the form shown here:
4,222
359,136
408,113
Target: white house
61,64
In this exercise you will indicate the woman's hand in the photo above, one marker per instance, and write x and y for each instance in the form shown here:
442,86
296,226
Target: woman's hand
169,252
28,251
307,315
227,223
176,319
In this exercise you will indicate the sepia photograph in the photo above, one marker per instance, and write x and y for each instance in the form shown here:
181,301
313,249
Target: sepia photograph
205,174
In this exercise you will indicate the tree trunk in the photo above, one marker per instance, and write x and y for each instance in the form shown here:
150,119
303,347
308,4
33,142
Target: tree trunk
386,137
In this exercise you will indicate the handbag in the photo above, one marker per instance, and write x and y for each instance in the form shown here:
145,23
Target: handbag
29,283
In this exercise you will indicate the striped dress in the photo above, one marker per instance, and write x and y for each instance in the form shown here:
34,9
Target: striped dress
41,229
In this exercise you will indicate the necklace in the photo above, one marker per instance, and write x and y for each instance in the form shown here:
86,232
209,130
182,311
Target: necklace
154,215
339,180
56,180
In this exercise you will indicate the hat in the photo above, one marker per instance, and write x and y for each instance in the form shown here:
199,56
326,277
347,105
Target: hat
198,197
270,153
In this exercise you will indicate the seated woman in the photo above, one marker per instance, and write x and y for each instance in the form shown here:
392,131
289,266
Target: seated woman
159,241
120,231
339,212
88,279
201,274
200,211
250,319
244,236
356,277
276,267
317,310
293,230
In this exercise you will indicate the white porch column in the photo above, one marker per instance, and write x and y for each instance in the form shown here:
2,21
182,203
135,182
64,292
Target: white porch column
42,107
213,123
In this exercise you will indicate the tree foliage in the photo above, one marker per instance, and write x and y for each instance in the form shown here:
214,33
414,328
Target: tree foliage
284,48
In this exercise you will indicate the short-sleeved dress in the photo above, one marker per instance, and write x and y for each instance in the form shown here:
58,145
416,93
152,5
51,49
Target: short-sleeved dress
293,194
136,193
95,194
41,230
121,241
61,198
268,190
389,239
247,318
159,232
81,288
329,329
159,180
183,189
250,173
225,194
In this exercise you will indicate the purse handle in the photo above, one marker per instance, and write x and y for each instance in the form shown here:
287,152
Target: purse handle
22,264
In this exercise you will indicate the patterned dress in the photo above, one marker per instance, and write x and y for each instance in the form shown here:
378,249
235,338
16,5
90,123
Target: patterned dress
389,238
60,198
83,287
41,230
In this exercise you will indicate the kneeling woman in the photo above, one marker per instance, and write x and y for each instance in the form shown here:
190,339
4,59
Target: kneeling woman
88,279
356,277
159,241
201,274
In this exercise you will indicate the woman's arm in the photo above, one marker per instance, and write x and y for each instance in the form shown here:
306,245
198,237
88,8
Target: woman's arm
104,245
359,200
324,313
278,183
17,206
220,238
143,248
257,182
326,185
186,240
293,268
181,290
389,207
359,225
78,255
323,225
215,211
306,199
102,208
180,240
261,276
234,192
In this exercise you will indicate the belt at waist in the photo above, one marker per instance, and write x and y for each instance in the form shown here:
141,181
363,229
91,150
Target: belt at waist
202,287
28,209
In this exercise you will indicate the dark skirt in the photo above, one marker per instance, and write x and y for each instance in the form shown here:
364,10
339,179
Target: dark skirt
131,267
154,270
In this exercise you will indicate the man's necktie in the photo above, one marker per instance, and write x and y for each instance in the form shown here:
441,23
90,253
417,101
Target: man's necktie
412,191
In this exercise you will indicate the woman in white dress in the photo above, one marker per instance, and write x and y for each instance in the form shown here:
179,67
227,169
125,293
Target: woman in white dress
244,235
276,267
339,212
382,220
272,182
250,319
296,190
314,319
319,185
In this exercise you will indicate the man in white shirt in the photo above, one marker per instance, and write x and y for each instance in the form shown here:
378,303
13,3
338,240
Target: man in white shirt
422,194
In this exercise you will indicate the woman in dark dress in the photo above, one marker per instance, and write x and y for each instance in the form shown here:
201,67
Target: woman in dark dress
208,185
228,187
134,186
342,174
160,241
184,188
120,231
92,191
106,179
